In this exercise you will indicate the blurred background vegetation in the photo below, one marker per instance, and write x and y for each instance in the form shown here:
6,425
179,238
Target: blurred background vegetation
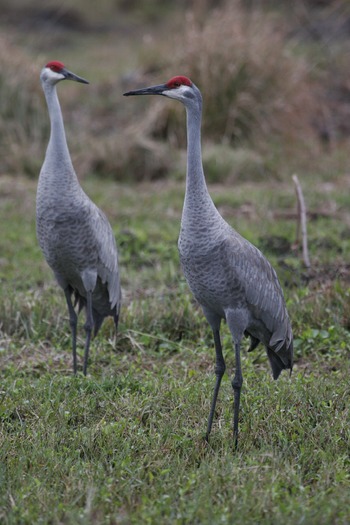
274,77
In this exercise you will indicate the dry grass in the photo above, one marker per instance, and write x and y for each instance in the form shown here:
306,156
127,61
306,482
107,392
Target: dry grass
267,104
252,83
22,127
24,120
254,89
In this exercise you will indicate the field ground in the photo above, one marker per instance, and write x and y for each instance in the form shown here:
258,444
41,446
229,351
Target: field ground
125,445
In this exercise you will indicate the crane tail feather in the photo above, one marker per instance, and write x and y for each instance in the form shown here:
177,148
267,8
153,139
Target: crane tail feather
281,360
254,342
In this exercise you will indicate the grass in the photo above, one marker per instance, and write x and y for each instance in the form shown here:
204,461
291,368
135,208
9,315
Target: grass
116,450
125,445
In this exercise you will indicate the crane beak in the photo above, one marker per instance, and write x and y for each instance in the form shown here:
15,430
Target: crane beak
71,76
153,90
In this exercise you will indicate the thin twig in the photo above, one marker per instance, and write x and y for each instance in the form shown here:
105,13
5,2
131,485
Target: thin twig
302,221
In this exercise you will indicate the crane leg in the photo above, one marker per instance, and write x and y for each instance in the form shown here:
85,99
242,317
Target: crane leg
89,324
73,321
219,372
116,321
237,385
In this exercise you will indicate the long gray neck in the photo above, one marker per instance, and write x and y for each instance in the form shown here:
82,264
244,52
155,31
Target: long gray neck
195,181
198,204
57,165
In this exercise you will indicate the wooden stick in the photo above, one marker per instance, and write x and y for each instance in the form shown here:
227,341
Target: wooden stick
302,221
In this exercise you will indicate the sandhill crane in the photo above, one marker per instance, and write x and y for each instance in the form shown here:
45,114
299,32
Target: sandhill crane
228,276
74,234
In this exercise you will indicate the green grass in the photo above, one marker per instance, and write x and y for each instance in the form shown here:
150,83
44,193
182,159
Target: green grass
128,448
125,445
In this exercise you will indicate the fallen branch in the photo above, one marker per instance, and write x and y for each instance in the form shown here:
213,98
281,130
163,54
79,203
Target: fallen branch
301,225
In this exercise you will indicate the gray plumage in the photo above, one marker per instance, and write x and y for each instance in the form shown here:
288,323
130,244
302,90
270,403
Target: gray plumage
74,234
228,276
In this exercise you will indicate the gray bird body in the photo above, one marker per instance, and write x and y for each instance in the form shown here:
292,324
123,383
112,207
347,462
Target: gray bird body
228,276
74,234
224,271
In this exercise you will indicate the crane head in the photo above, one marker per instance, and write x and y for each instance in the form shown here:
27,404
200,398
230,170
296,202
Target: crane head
179,87
55,71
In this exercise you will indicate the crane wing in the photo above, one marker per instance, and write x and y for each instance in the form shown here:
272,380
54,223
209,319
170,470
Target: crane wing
108,269
263,292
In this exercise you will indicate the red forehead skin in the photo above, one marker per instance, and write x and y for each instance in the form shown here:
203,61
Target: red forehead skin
176,82
55,65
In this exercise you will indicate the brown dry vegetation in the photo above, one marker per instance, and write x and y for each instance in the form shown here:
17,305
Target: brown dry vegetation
271,104
253,88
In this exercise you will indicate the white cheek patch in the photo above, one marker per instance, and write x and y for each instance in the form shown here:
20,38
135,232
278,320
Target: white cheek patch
53,74
177,93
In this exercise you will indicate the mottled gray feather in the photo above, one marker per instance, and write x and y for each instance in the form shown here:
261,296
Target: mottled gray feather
227,274
74,234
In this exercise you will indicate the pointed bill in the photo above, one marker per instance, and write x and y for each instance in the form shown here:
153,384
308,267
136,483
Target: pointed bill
72,76
152,90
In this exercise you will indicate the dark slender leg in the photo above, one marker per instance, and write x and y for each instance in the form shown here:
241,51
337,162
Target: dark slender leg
237,385
88,328
116,321
73,320
219,372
